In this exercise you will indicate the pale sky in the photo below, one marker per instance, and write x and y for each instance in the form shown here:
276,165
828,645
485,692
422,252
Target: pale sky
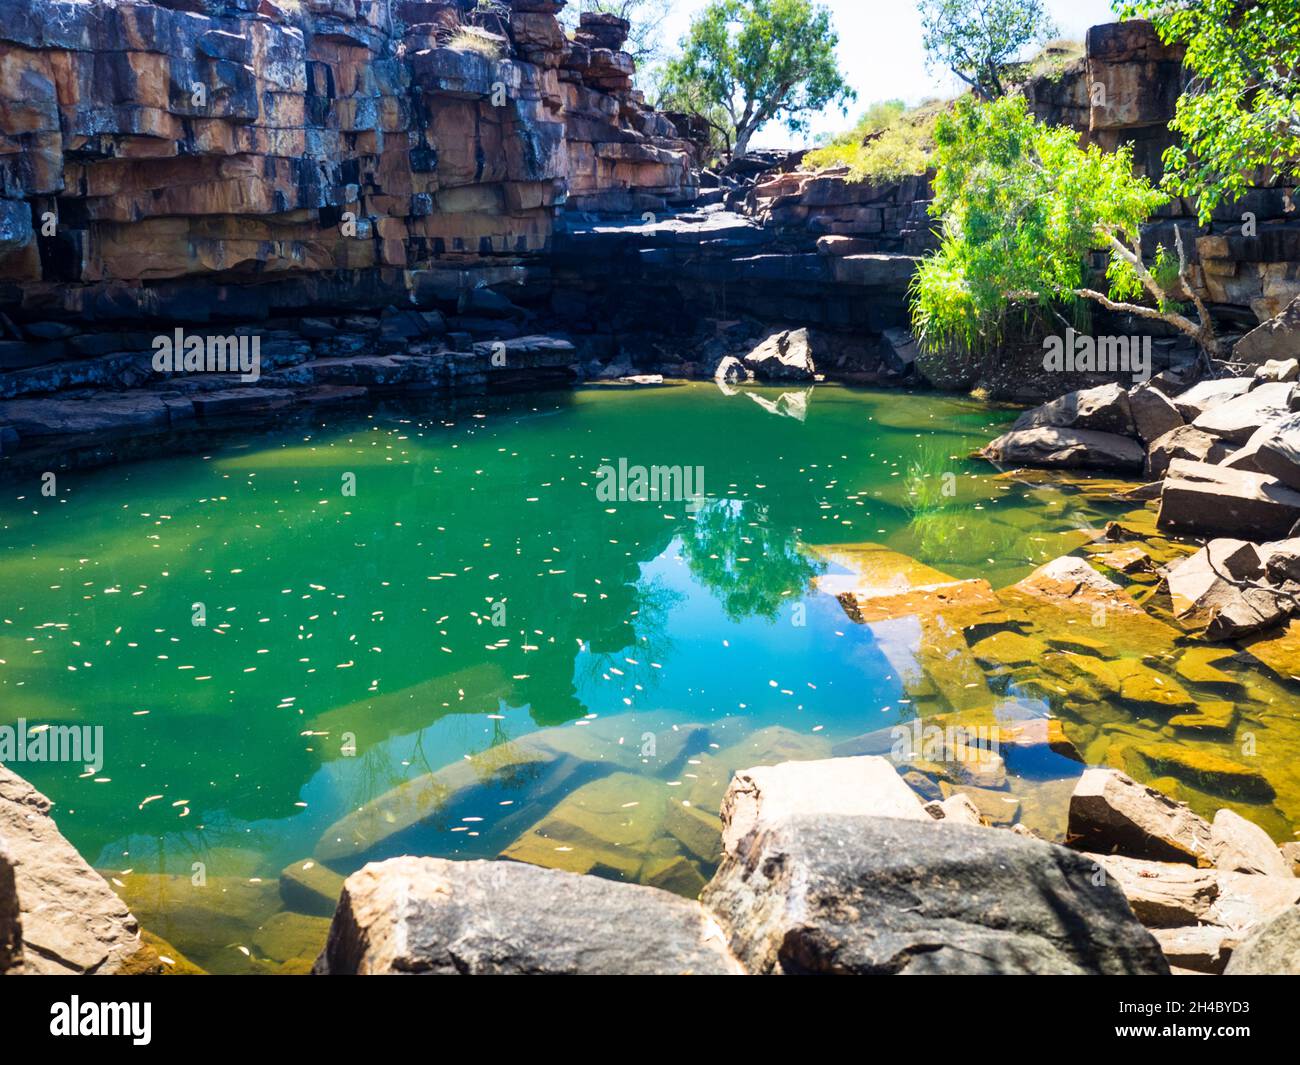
881,56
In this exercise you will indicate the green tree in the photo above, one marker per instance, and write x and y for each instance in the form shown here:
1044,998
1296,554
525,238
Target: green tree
1022,206
979,39
758,61
1239,117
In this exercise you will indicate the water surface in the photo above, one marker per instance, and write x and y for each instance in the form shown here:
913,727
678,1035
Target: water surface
474,591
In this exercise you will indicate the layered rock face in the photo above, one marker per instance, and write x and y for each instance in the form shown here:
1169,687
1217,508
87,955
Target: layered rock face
1247,262
194,162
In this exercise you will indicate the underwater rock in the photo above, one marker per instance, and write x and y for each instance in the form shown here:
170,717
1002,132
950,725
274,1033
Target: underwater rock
432,916
310,887
845,894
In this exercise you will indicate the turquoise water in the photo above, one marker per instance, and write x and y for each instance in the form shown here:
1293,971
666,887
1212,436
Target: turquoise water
474,589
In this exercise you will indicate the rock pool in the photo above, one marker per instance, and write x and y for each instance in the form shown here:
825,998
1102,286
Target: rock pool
419,632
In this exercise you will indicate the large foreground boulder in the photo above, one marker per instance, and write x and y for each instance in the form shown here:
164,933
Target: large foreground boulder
1065,448
1273,950
72,923
437,917
1201,499
845,894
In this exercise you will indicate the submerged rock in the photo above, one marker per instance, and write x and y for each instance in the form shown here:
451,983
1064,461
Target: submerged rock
844,894
438,917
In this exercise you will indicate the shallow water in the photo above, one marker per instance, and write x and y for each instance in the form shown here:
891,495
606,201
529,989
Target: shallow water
476,590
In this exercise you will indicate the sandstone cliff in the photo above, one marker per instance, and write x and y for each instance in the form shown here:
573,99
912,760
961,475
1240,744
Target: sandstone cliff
195,160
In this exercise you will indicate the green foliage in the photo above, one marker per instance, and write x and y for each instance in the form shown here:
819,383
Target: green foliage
978,39
1021,206
888,142
759,61
1240,114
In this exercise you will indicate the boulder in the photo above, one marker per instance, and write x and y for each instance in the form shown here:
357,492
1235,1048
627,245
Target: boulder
1278,338
732,371
1273,449
864,785
1104,409
1248,901
844,894
72,923
1220,591
1110,811
1065,448
1162,894
1236,420
11,925
1279,370
1238,846
433,916
1273,950
1184,442
1206,500
1199,949
783,356
1153,413
1206,395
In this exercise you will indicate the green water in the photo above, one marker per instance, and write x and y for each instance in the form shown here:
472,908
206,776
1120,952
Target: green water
476,589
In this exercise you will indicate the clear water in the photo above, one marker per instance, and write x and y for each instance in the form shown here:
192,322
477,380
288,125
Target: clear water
475,590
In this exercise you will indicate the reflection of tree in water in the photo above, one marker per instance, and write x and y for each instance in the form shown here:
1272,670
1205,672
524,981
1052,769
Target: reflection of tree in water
749,565
650,641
